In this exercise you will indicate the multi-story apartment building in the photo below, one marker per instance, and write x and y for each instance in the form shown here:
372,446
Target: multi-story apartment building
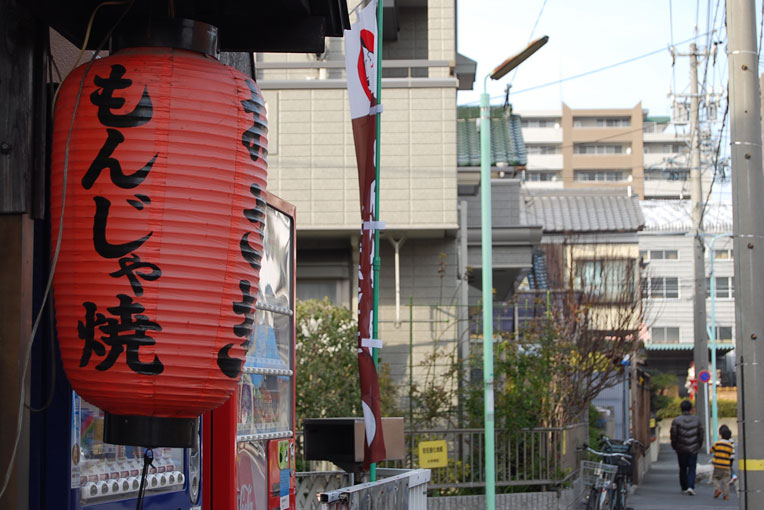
606,148
666,250
312,164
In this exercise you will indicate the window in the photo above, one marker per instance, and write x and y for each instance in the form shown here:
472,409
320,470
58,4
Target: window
540,123
664,148
723,254
603,122
667,174
664,335
664,287
601,148
723,334
663,255
543,149
725,287
542,176
607,279
601,175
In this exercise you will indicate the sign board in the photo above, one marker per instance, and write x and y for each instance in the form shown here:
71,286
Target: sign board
704,376
433,454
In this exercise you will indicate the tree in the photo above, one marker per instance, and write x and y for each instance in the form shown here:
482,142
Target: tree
327,363
573,341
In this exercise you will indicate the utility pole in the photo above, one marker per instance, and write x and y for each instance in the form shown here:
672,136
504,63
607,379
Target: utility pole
700,356
748,217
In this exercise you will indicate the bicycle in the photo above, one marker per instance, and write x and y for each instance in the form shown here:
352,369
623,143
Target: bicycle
601,479
625,475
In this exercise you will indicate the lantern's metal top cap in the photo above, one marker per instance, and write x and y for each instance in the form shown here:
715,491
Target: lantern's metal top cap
184,34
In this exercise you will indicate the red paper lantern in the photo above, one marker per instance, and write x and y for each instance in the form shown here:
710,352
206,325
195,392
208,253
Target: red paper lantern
162,236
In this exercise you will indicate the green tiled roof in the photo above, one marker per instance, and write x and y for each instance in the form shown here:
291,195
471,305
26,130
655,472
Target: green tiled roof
507,146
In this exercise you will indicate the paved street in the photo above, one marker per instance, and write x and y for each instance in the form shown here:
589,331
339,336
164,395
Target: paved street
660,489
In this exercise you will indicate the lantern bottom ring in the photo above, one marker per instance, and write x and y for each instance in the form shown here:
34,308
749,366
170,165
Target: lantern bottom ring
150,431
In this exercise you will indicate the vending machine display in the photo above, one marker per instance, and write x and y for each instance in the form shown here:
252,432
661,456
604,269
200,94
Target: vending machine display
107,475
257,426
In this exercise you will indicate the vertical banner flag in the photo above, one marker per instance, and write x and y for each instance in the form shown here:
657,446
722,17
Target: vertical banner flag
361,68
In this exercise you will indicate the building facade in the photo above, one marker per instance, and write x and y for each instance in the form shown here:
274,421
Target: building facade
606,148
312,164
666,251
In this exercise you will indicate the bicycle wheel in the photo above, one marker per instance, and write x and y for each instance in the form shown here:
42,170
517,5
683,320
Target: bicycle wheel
593,501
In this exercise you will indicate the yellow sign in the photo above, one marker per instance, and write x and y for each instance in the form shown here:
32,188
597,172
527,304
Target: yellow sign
433,454
751,464
652,423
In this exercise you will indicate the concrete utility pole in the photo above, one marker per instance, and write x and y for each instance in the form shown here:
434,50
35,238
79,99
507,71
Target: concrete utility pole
699,281
748,217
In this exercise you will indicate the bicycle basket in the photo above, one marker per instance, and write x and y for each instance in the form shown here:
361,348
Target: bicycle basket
597,474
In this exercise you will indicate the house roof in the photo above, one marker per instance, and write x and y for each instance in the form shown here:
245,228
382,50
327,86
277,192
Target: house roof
583,211
507,146
676,216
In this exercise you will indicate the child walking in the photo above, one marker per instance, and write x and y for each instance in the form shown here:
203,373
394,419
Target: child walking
722,461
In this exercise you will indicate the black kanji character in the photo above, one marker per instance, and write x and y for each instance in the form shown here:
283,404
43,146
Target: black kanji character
105,101
129,266
104,160
231,367
102,246
86,331
251,137
125,332
251,255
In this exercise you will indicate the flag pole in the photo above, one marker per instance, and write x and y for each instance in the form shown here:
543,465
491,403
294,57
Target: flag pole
377,261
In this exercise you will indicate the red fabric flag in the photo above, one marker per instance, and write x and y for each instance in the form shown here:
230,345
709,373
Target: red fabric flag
361,67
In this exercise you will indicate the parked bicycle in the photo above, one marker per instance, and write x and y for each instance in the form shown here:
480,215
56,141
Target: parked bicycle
626,466
602,488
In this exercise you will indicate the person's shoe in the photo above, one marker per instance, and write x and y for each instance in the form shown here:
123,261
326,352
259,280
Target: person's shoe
734,479
717,493
691,491
726,497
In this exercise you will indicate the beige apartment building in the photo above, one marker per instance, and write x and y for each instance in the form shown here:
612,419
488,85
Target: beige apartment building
312,165
606,149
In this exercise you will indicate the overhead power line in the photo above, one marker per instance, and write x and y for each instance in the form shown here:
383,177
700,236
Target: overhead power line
594,71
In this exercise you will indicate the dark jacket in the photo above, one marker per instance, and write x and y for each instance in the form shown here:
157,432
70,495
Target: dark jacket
686,434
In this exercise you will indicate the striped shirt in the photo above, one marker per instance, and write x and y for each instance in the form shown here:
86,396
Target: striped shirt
723,451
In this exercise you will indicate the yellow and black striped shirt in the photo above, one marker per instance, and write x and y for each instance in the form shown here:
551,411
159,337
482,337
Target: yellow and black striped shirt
723,451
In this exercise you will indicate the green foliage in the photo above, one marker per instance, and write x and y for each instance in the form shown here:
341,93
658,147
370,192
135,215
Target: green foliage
727,409
660,384
327,363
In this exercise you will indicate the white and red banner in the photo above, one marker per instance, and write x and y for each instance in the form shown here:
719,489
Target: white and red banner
361,67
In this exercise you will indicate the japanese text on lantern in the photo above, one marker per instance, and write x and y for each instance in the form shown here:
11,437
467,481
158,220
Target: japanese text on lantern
250,139
125,328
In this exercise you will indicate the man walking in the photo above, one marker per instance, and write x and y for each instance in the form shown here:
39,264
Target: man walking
687,440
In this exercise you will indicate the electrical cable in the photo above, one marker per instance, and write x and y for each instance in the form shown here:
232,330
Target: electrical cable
22,395
716,163
85,43
593,71
530,38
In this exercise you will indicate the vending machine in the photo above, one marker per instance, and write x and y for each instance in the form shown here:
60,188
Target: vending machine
249,449
108,477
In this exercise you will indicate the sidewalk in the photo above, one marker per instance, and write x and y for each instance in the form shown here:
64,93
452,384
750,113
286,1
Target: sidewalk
660,488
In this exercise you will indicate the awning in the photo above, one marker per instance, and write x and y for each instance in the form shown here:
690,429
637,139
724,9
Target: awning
686,346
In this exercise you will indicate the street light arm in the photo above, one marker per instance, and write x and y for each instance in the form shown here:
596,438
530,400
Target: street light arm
518,59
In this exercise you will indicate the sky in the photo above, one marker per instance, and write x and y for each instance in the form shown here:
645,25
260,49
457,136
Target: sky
586,35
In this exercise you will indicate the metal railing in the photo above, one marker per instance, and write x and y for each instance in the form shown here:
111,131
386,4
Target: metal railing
530,457
400,489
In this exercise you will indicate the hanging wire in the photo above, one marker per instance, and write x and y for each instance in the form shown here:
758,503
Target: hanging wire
530,38
22,395
148,460
594,71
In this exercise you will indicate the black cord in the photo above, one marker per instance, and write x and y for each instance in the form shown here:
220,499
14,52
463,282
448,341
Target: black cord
148,459
52,387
